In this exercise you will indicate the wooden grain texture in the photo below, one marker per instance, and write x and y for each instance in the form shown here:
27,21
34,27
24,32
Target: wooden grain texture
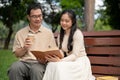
103,50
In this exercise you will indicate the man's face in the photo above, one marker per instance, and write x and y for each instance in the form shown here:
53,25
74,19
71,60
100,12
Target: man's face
35,18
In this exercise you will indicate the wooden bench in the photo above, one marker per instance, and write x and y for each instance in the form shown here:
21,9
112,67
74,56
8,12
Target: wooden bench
103,50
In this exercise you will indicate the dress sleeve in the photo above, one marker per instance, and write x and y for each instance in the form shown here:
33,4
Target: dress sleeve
78,47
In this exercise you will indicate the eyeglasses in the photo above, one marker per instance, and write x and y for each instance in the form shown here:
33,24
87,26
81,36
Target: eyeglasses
36,16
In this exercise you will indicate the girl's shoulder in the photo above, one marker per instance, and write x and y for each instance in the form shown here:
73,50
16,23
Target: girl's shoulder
78,32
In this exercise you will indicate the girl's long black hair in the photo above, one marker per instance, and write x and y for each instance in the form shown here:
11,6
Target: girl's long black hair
72,15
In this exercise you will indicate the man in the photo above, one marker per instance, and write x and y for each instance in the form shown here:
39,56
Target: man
28,67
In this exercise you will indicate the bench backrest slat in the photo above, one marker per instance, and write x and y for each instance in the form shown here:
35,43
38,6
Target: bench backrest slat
97,41
105,70
112,33
103,50
102,60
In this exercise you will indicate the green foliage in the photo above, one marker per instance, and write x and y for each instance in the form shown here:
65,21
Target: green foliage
3,31
100,26
109,15
68,4
11,13
16,10
76,5
113,11
6,59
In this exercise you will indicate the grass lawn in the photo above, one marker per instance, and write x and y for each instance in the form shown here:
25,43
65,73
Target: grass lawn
6,59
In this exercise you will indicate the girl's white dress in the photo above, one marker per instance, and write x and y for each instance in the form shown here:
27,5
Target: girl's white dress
76,66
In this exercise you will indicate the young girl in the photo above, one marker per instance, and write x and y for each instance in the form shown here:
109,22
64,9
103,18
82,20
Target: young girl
75,65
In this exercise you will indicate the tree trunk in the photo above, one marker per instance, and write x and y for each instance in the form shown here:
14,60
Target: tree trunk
89,15
7,40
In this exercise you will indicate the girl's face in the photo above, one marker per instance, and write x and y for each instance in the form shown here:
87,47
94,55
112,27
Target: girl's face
66,22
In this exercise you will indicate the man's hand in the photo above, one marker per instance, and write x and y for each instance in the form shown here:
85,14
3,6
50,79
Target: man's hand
28,43
22,51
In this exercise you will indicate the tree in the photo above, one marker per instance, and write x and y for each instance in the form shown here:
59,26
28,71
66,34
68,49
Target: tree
10,13
89,15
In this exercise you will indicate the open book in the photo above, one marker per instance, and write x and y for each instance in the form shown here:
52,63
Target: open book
43,54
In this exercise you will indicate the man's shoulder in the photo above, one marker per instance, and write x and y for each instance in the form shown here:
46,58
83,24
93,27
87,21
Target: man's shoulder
23,29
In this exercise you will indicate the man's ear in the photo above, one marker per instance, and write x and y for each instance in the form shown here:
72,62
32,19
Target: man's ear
28,17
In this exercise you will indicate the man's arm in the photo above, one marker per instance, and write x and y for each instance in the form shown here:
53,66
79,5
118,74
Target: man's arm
20,52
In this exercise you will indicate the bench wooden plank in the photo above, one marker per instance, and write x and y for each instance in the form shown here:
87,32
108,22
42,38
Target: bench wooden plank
113,61
106,70
112,33
103,50
102,41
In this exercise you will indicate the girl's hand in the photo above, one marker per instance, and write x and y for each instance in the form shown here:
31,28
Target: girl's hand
42,61
53,58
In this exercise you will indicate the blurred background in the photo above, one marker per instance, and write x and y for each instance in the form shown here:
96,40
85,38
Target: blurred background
92,15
